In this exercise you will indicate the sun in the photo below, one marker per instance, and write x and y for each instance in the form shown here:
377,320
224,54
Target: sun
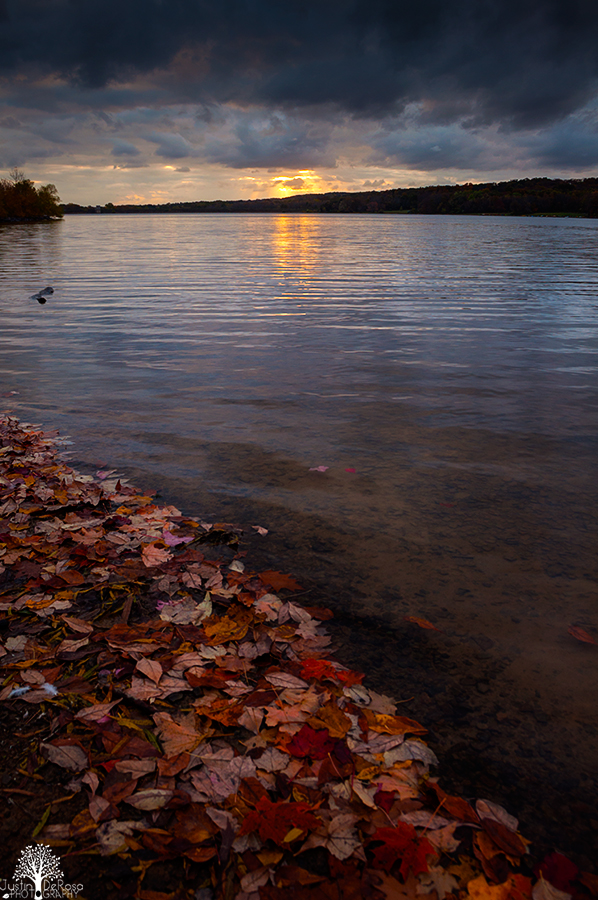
305,181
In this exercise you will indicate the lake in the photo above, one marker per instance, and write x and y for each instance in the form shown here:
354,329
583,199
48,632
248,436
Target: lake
443,368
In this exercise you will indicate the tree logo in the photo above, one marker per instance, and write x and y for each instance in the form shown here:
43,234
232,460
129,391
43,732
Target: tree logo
38,875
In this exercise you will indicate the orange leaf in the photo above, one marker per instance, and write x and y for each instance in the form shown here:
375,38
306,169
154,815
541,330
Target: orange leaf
479,889
153,555
333,719
455,806
509,842
177,738
386,724
580,635
423,623
229,628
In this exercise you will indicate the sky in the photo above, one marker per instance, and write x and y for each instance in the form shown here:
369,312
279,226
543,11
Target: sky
168,100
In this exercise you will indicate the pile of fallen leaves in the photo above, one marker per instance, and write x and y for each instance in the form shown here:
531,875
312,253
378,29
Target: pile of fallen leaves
196,710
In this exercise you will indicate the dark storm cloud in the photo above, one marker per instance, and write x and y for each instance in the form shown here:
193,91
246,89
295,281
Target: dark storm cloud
526,62
172,146
571,145
124,148
274,141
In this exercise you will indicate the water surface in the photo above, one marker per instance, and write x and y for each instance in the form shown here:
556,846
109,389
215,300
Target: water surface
451,362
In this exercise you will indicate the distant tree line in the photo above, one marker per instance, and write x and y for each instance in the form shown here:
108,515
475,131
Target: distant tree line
524,197
21,200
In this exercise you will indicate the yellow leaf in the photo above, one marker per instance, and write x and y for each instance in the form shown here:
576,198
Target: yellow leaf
479,889
292,835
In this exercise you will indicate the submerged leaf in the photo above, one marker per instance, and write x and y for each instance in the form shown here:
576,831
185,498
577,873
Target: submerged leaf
580,634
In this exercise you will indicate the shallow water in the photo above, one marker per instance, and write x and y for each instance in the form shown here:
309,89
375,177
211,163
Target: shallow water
451,362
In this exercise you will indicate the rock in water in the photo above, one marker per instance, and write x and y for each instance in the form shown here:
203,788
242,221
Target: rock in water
42,295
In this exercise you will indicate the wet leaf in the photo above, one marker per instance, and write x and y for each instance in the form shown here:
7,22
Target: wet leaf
273,821
279,581
423,623
488,810
401,844
236,705
580,634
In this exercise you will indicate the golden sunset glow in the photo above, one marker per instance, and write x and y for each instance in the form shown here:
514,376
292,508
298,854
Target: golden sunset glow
306,181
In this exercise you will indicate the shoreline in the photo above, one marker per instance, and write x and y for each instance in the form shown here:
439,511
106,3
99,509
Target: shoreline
118,550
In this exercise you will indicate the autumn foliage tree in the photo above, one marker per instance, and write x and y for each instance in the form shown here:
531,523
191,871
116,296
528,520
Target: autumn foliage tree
20,199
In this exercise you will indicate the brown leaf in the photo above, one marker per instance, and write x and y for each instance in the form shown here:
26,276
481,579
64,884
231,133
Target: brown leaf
332,718
288,876
177,737
150,798
229,628
153,555
279,581
79,625
69,756
69,646
96,712
507,840
454,806
151,668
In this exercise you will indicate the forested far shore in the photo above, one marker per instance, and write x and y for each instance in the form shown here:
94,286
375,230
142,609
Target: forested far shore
524,197
20,200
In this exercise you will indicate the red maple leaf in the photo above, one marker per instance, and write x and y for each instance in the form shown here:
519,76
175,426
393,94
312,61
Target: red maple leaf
323,668
309,742
558,870
318,668
274,820
401,843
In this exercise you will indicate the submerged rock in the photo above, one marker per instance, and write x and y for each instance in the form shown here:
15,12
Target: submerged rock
42,295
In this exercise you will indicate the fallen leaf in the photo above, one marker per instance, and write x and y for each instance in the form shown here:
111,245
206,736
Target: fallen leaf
403,844
558,870
279,581
177,736
509,842
273,821
388,724
311,743
187,611
283,680
439,880
544,890
254,880
69,756
97,712
151,668
423,623
151,798
153,555
580,634
488,810
111,836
